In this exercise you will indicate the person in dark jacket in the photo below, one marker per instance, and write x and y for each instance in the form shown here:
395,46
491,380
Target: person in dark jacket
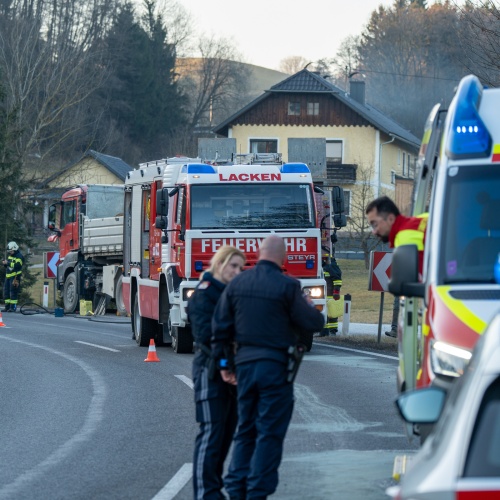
265,313
215,400
13,270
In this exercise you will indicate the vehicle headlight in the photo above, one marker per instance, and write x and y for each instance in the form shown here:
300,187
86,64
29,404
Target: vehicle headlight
186,293
448,360
315,292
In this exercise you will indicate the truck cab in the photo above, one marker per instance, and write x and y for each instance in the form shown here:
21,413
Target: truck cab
458,184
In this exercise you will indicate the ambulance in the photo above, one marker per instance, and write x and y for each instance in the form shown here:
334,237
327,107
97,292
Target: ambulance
458,184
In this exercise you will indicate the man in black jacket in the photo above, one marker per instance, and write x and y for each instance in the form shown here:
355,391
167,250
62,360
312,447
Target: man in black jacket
265,313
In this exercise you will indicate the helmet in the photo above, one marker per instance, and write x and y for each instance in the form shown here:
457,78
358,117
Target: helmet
12,246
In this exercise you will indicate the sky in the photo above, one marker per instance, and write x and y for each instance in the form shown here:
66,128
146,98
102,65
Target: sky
267,31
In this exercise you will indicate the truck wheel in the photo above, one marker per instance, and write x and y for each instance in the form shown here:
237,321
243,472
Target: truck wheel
142,336
120,304
182,340
70,294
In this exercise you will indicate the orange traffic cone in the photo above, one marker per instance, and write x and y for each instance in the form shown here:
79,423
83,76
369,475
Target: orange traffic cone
1,320
152,356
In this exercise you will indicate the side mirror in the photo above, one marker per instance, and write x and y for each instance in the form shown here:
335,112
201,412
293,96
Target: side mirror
339,218
421,406
160,222
404,272
338,200
161,203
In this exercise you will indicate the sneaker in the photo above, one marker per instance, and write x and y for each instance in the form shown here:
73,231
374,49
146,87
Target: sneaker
333,331
6,309
392,333
12,309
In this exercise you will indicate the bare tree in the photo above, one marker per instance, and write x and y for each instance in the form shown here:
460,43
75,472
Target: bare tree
49,53
215,83
479,32
358,230
293,64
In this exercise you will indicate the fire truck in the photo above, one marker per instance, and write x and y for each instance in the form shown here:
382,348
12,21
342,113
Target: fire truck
88,225
179,212
458,184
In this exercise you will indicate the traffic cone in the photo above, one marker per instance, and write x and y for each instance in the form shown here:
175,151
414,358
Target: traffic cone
1,320
152,356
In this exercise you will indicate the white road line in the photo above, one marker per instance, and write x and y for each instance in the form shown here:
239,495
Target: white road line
186,380
93,418
98,346
170,490
357,350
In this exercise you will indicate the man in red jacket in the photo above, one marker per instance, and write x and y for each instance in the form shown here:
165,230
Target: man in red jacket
390,226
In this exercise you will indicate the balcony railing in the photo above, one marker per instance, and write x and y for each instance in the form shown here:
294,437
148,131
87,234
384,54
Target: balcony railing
344,173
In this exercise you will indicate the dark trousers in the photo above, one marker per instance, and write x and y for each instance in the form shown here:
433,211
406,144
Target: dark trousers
10,292
265,405
217,417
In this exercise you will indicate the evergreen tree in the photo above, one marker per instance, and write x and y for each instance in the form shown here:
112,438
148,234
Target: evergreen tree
143,96
13,206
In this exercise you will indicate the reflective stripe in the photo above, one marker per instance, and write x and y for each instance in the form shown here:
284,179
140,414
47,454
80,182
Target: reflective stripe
458,308
410,237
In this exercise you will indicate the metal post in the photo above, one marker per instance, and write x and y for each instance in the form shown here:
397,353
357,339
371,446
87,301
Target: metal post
346,318
380,315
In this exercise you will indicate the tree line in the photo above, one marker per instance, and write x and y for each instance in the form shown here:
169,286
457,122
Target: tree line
112,75
412,55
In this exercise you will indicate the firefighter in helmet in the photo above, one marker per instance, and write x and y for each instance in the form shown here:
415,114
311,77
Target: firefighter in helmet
13,268
333,278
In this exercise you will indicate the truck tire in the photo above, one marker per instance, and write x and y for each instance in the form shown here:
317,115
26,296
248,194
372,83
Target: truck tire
70,294
120,304
182,340
143,327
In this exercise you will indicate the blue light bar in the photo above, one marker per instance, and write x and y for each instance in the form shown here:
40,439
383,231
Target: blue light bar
309,264
295,168
198,266
200,168
468,136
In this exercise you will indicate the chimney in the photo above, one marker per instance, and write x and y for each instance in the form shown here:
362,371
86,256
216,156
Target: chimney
357,90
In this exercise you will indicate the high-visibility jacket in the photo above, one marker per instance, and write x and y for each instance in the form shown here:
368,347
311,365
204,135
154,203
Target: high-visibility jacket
14,264
410,231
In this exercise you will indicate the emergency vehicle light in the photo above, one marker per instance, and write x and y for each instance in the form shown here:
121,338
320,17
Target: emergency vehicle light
295,168
468,137
199,168
198,266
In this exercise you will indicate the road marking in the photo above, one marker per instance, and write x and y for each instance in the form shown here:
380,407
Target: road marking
170,490
186,380
98,346
92,420
358,350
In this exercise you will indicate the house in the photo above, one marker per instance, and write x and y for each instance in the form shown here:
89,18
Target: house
343,139
91,168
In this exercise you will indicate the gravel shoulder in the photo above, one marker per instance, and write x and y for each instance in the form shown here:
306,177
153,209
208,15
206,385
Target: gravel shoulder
369,343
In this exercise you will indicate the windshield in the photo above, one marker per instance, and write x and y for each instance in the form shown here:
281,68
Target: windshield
251,206
471,235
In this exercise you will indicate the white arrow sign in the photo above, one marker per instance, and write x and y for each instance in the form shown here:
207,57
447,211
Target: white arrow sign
381,270
52,264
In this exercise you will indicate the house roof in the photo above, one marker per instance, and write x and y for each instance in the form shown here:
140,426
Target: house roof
114,164
307,82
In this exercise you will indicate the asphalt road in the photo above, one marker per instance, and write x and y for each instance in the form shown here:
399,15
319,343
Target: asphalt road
83,416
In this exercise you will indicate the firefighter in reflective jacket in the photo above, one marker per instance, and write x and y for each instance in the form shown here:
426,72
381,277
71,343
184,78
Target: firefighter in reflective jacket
13,268
333,278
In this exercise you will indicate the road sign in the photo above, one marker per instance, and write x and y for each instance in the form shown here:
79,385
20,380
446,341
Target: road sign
50,262
380,271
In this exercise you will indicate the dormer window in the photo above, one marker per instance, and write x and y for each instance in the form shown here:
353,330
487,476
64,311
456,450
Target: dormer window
293,108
